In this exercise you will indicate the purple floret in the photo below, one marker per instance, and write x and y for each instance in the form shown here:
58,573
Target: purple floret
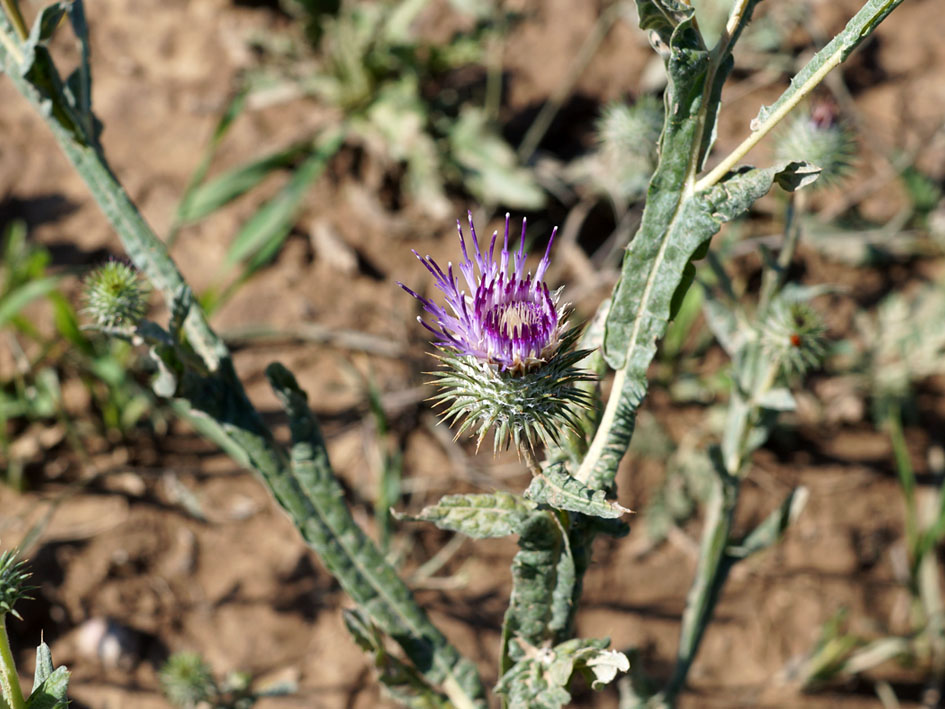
506,318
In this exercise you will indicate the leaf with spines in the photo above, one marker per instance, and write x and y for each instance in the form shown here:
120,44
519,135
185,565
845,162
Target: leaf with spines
49,685
482,516
556,488
311,496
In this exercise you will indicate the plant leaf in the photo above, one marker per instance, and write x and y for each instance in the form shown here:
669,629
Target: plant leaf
313,498
485,516
209,196
265,231
559,490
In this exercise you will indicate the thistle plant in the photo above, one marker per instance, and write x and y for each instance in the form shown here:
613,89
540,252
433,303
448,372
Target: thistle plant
507,357
49,684
510,363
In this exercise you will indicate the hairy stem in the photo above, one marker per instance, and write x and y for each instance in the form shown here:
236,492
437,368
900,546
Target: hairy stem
12,10
9,681
858,28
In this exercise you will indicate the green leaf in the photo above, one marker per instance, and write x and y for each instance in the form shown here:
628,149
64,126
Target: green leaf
51,693
542,678
492,172
559,490
772,528
777,399
208,197
314,499
662,16
44,666
13,302
401,680
42,30
673,229
485,516
265,231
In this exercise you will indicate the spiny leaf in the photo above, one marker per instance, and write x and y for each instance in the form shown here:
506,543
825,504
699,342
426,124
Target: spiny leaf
51,694
44,666
559,490
484,516
312,496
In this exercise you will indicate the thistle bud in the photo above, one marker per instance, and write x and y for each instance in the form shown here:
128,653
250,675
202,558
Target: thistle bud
13,586
508,359
115,296
793,336
821,138
186,679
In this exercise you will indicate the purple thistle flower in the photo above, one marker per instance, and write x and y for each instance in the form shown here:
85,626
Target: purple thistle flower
507,318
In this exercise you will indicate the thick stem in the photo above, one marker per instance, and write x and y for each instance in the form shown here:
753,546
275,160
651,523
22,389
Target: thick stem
9,681
12,10
531,460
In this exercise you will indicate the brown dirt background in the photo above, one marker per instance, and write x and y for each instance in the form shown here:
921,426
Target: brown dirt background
240,587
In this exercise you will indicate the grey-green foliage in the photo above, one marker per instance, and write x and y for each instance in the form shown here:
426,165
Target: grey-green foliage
542,679
49,683
201,373
484,516
188,682
904,341
370,63
555,488
539,656
401,681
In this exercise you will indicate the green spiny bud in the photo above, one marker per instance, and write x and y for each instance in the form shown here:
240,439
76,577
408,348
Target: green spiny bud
793,335
627,147
635,130
819,137
187,680
537,405
115,297
13,578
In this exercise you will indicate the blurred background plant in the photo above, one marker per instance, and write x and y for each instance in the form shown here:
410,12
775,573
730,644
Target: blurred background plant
424,112
66,385
188,682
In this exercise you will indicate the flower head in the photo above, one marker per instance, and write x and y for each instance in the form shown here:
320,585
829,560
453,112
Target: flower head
507,317
115,296
508,360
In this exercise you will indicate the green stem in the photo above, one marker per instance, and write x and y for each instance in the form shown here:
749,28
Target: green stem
906,477
773,278
858,28
12,10
9,681
711,574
